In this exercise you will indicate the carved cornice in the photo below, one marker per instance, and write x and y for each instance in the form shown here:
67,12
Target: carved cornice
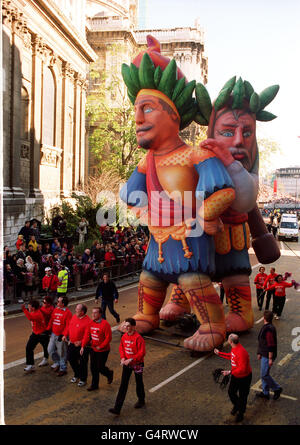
38,46
67,70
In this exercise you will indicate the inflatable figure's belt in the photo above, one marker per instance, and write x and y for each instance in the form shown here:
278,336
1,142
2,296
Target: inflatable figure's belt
234,237
162,234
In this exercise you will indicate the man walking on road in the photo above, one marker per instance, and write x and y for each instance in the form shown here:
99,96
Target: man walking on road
98,335
109,293
270,280
266,353
75,332
58,323
38,334
241,376
132,353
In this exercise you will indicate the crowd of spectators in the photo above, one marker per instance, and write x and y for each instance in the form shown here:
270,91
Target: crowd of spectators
118,251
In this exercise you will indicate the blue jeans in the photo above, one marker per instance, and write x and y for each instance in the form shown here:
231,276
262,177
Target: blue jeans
267,381
58,352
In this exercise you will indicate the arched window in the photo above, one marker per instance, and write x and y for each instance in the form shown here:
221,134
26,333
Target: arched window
24,114
48,128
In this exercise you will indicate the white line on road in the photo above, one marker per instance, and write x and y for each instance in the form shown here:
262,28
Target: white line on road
257,387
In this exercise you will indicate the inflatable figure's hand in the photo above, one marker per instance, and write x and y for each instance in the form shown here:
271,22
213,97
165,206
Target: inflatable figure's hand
219,149
211,227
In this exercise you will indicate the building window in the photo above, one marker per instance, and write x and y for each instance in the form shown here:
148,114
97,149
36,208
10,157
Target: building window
48,125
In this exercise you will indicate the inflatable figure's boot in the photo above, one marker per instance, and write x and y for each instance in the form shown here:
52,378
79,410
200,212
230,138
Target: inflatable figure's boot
238,293
177,305
207,307
151,295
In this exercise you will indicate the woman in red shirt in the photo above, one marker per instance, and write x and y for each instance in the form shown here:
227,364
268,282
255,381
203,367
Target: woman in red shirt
259,281
279,297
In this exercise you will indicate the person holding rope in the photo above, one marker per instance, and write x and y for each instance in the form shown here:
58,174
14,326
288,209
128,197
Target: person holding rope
259,281
279,295
241,375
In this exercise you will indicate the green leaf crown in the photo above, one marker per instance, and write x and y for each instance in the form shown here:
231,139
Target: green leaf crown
148,77
236,95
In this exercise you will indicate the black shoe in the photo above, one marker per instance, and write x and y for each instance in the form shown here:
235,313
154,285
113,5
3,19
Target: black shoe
277,394
234,411
118,319
114,411
263,395
239,417
139,404
110,378
91,388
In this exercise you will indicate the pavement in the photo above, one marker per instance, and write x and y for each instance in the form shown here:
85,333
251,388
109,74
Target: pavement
74,295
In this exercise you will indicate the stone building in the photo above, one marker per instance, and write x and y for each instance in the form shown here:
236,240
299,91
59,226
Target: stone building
116,23
45,62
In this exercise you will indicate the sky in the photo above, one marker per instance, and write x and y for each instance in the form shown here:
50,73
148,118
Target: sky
257,40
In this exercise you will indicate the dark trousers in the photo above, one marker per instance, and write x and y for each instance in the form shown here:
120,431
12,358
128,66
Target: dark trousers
33,341
140,391
260,295
79,363
278,305
270,294
238,392
110,305
98,362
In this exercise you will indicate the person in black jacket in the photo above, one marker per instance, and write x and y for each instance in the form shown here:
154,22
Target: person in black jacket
109,293
266,353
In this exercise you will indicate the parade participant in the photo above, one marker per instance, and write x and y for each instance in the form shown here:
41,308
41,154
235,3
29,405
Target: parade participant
231,135
47,309
267,353
259,281
108,292
75,332
38,335
98,335
179,251
50,283
63,278
241,375
57,348
279,295
270,280
132,352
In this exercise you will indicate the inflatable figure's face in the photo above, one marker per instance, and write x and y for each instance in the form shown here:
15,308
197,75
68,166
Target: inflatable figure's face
237,130
156,122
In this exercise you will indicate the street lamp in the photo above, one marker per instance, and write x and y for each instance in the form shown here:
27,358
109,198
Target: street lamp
296,193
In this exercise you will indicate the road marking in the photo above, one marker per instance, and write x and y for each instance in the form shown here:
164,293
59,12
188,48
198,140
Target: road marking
258,321
173,377
282,246
285,359
257,387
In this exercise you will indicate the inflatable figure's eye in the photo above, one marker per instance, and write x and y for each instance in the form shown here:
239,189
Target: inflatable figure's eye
227,133
247,134
148,109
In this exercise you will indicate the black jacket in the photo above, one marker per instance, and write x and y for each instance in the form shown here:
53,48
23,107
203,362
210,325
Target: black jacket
263,348
107,291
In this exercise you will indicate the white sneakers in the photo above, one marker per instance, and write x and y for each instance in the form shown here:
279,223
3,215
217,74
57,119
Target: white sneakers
73,380
55,365
44,362
276,317
81,383
29,368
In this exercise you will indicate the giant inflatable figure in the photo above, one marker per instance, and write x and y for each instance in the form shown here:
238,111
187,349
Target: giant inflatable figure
232,137
179,251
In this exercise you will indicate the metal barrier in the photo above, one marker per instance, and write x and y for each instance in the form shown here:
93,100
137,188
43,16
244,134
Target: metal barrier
82,278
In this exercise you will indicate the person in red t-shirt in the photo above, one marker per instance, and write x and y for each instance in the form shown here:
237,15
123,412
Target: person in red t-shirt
241,375
38,333
98,335
279,298
259,282
57,348
270,280
50,283
75,332
132,352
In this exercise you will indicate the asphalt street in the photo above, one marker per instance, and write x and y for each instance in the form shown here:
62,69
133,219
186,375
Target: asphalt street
179,386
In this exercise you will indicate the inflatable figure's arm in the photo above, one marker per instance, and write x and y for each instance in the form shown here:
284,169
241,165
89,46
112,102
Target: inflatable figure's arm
216,187
246,184
134,193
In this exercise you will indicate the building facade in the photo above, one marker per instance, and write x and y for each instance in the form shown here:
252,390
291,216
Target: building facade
45,64
288,181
